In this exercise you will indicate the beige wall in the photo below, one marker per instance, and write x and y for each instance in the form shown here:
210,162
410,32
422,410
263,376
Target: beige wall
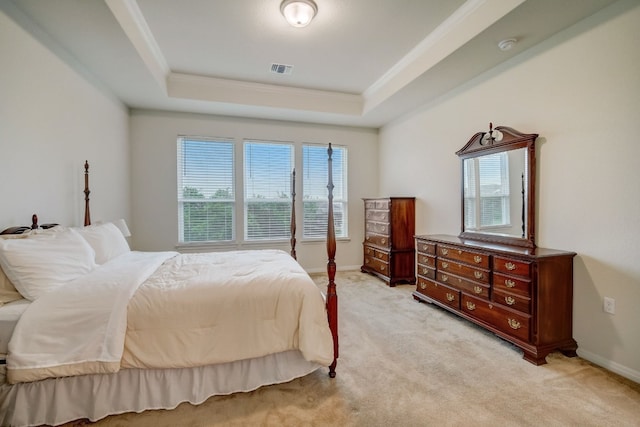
155,209
52,119
580,91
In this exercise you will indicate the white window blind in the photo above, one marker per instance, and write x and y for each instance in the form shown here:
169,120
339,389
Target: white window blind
486,189
315,192
267,190
206,195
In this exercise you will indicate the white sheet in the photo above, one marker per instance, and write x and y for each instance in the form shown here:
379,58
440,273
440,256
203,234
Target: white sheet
9,315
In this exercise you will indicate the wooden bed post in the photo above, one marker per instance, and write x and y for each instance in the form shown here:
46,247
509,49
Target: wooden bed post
293,214
87,214
332,296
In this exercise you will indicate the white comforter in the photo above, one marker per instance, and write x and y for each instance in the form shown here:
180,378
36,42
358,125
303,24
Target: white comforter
161,310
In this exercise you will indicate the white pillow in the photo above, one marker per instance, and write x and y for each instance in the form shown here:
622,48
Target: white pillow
106,240
41,263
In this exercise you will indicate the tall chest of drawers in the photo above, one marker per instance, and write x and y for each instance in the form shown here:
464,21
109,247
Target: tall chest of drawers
522,295
389,250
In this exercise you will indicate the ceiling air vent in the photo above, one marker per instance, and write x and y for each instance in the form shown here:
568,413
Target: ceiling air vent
281,69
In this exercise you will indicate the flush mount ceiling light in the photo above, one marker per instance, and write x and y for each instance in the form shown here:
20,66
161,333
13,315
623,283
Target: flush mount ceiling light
507,44
298,13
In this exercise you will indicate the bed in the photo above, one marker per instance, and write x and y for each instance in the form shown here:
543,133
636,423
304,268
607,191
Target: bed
151,330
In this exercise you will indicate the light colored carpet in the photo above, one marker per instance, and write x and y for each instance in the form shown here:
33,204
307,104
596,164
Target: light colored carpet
404,363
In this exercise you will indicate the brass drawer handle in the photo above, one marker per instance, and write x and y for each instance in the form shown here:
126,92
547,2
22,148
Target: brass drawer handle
425,270
514,324
368,238
382,268
444,251
459,252
477,259
445,278
445,265
423,285
510,266
450,297
510,300
477,289
383,241
368,251
478,274
471,306
509,283
384,228
367,261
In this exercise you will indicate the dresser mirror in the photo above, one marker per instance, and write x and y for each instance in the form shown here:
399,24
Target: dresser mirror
498,187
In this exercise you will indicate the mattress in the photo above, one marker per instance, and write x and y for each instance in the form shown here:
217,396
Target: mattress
9,315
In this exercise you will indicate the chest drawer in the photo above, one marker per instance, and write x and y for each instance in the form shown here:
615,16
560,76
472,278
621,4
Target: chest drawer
512,284
426,248
470,257
507,321
439,292
463,270
376,215
376,264
511,266
377,227
376,253
475,288
377,239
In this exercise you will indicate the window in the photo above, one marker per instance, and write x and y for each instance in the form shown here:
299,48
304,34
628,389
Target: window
267,190
315,192
486,189
206,196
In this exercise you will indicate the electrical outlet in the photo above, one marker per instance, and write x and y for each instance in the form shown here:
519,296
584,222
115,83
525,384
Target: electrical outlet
609,305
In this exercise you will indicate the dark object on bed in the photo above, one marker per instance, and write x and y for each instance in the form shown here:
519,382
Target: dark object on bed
23,229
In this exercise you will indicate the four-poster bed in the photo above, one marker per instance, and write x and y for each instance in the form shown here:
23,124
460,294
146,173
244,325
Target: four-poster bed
146,369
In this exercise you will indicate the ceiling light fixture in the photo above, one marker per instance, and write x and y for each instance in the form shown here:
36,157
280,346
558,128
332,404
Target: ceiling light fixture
298,13
507,44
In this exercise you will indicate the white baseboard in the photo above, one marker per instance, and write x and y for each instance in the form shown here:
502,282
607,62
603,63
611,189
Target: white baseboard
626,372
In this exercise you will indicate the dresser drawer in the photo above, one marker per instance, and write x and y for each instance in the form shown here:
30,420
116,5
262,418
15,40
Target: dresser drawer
429,273
426,248
427,261
512,284
517,302
476,274
377,227
511,266
478,289
470,257
376,265
439,292
503,319
377,239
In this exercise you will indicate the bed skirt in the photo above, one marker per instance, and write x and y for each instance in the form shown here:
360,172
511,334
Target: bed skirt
60,400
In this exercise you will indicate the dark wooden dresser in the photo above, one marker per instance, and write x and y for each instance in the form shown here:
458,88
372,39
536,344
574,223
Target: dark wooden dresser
524,295
389,250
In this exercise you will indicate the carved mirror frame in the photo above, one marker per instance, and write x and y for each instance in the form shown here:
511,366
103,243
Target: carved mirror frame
498,140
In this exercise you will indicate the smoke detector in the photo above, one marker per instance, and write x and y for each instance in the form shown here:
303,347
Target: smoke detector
507,44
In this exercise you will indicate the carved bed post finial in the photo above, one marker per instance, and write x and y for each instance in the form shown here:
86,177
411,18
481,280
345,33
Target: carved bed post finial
332,296
34,222
87,214
293,214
